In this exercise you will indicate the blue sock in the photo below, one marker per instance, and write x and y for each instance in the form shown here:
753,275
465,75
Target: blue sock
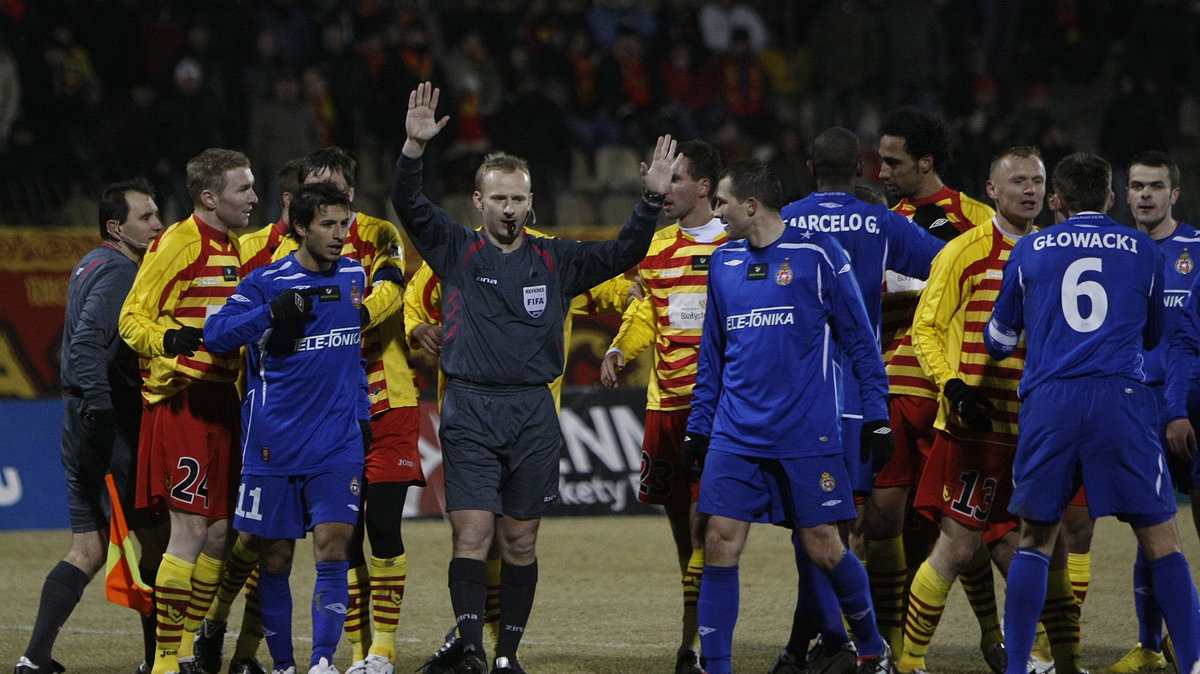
817,610
1146,607
853,591
1026,593
717,611
275,607
331,594
1179,605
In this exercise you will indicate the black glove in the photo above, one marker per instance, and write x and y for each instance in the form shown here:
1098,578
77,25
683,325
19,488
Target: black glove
100,425
290,304
182,341
364,315
933,218
695,447
876,444
970,403
364,425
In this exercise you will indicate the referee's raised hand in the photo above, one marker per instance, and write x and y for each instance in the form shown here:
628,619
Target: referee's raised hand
421,123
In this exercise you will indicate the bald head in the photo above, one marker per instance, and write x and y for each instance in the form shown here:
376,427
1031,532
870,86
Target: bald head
835,156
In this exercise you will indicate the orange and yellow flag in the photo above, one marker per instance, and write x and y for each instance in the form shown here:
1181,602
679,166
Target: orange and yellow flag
122,583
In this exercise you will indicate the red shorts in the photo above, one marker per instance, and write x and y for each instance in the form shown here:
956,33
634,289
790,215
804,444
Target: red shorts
969,482
188,456
664,481
394,456
912,420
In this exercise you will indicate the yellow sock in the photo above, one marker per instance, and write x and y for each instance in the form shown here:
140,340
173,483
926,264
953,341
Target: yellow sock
980,588
926,601
242,561
172,593
206,576
691,595
1041,645
250,635
387,595
887,569
491,609
358,625
1060,615
1079,566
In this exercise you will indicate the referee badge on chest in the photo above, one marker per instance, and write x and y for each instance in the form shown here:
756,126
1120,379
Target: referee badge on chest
827,482
784,275
535,300
1184,264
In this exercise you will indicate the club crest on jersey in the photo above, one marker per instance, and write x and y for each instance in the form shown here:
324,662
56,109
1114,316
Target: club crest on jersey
784,275
827,482
355,294
1184,264
535,300
354,486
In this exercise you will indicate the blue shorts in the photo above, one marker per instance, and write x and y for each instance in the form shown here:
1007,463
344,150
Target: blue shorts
287,506
862,478
1103,432
805,491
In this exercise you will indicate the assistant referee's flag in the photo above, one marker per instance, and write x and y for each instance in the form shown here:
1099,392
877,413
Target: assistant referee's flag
122,583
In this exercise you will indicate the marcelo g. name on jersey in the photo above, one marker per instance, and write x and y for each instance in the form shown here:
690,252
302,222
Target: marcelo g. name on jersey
836,222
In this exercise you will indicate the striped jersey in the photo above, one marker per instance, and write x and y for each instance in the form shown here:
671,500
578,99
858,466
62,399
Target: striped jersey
376,245
257,248
304,379
905,376
948,329
674,275
1086,293
185,277
767,383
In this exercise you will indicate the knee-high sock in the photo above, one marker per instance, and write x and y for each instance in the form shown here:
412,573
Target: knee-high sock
388,577
241,564
1061,618
693,572
1023,604
468,595
172,592
1079,565
717,611
206,577
275,603
149,623
979,585
251,634
853,590
491,607
358,619
331,593
1179,605
1149,614
926,601
518,584
887,569
817,609
61,591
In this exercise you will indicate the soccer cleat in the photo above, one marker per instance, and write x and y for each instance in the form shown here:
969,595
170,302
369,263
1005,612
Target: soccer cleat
290,669
687,661
1139,659
247,666
24,666
1037,665
504,665
442,662
189,666
787,663
875,664
374,664
996,657
830,659
470,662
323,666
209,645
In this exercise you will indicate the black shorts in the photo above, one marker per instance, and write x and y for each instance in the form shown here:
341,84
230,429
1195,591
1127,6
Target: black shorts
88,455
500,449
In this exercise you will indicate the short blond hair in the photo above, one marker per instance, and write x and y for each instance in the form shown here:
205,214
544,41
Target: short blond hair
502,162
206,171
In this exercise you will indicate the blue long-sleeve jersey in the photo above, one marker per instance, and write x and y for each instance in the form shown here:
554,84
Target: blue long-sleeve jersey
767,381
876,239
305,381
1089,295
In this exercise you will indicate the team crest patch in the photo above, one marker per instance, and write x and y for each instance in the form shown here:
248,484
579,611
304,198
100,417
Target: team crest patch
1184,264
827,482
354,486
229,272
784,275
535,300
355,294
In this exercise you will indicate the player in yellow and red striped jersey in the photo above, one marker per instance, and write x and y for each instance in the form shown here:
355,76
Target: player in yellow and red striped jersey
674,277
257,248
914,147
188,460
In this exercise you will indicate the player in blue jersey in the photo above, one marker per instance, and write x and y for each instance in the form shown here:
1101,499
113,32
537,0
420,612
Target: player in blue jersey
302,443
1088,295
781,302
875,239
